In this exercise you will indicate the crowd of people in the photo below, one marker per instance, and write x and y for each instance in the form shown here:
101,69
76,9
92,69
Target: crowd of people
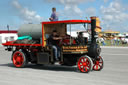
114,41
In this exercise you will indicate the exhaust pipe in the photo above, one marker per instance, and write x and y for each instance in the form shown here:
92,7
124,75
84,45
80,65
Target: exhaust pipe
93,32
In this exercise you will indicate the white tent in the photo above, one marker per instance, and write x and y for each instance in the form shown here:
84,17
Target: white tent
121,35
8,37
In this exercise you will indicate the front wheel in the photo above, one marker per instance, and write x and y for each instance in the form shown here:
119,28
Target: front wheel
19,59
98,64
85,64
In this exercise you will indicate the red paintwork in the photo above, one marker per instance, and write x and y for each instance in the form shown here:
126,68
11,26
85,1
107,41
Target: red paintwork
6,31
83,66
18,59
11,44
67,41
67,22
98,64
43,35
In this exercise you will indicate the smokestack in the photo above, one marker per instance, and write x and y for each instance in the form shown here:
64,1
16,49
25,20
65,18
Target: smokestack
93,27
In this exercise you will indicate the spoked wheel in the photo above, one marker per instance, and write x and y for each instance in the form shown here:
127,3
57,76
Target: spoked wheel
85,64
98,64
19,59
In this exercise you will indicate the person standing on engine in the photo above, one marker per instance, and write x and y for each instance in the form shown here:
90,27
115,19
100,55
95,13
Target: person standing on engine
54,15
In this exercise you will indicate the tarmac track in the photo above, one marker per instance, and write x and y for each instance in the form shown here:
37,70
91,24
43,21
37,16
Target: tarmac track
115,71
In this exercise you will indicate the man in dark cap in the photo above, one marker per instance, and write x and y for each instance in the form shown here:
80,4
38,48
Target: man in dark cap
54,41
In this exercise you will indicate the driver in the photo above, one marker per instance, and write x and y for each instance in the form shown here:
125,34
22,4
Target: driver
80,38
53,40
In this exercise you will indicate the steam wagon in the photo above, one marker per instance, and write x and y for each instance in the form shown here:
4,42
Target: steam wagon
85,54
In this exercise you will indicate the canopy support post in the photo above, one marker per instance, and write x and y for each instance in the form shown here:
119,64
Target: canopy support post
70,35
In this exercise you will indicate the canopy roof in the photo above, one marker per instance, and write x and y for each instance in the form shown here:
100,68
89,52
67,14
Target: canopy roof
67,22
111,31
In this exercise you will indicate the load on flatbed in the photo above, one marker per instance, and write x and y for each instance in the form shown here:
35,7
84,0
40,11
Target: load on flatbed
84,54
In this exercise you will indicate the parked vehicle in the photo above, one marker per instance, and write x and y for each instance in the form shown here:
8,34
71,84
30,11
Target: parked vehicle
125,39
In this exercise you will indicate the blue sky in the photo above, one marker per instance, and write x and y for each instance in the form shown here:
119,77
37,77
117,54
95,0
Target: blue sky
113,13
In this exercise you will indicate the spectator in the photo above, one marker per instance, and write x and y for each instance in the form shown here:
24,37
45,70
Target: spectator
118,41
102,41
115,40
112,41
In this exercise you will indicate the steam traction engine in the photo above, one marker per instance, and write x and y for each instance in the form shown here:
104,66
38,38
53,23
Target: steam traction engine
37,50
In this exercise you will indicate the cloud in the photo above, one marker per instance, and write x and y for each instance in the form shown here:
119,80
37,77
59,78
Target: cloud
69,2
71,8
24,13
90,11
114,16
105,1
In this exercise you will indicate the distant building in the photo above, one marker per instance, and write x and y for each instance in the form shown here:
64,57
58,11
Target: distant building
109,34
8,36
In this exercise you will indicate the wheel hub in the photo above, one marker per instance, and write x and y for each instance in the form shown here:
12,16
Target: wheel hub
18,59
97,62
85,64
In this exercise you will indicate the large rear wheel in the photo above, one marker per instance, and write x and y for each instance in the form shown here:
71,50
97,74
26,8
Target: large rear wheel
19,59
85,64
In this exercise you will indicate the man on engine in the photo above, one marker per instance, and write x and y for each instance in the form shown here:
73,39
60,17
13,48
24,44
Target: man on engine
54,15
54,41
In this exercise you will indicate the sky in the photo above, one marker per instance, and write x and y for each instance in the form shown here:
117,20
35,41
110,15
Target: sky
112,13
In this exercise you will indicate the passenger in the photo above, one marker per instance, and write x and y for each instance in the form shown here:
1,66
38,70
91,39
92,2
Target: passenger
80,39
66,39
53,40
54,15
